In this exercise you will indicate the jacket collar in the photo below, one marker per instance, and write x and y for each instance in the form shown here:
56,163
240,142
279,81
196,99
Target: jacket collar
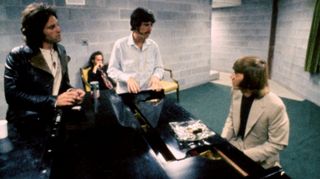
37,60
131,42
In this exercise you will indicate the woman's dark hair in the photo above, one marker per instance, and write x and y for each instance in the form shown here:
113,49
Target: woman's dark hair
255,74
140,15
92,57
33,20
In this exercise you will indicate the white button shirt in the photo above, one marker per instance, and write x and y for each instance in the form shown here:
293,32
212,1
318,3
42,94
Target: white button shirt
127,60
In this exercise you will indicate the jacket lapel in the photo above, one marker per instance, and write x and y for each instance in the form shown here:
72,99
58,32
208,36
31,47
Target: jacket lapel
256,111
64,59
38,61
237,98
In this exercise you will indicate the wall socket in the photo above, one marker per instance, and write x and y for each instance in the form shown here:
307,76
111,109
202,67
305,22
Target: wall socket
84,42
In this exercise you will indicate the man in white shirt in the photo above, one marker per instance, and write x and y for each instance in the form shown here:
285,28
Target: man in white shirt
135,62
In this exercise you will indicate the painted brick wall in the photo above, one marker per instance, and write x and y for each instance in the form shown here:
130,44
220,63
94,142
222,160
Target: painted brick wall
238,31
245,30
182,30
294,24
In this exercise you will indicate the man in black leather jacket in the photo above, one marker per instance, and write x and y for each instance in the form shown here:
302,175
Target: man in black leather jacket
36,76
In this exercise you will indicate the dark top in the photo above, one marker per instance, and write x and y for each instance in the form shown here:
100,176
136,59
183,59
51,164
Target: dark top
246,104
100,76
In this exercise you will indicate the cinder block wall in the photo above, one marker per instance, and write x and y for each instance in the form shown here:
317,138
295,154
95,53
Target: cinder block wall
182,30
245,30
238,31
294,24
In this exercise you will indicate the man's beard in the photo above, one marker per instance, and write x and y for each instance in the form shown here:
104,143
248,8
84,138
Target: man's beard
53,40
145,34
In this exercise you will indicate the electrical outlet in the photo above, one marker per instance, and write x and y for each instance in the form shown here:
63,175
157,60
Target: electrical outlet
84,42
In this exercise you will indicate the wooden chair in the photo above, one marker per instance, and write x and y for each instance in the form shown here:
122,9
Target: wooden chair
84,78
170,84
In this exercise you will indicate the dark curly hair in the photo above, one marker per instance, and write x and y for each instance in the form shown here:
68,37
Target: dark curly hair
33,20
140,15
92,57
255,74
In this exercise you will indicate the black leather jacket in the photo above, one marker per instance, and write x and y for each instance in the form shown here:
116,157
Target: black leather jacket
28,83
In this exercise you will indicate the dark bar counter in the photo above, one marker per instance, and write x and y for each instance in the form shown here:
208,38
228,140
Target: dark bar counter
104,139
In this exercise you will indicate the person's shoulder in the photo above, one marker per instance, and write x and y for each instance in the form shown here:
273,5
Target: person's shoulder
236,93
274,99
150,41
59,46
122,40
21,48
61,49
19,54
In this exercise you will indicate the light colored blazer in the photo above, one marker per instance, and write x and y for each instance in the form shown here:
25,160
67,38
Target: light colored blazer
267,129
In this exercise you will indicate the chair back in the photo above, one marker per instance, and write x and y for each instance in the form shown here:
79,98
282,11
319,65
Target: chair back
169,83
84,78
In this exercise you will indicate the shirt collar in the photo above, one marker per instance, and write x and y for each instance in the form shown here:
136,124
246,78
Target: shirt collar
131,42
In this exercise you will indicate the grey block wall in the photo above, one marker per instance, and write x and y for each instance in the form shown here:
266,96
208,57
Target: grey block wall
182,30
239,31
245,29
294,24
